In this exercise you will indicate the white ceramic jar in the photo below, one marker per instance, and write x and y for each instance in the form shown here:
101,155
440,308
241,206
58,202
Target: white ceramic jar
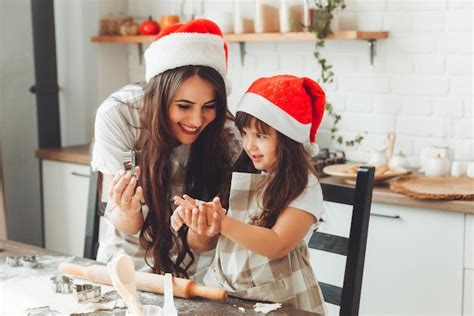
437,166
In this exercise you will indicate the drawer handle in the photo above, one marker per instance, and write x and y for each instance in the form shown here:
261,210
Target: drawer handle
386,216
80,174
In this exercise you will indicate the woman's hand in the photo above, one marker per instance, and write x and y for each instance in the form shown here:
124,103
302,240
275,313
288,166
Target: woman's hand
125,194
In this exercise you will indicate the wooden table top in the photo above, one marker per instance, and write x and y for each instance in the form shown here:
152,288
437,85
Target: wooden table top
184,306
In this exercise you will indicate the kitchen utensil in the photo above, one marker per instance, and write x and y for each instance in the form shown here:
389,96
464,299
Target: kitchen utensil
435,188
437,166
349,172
122,273
390,145
458,168
148,282
168,307
62,284
87,293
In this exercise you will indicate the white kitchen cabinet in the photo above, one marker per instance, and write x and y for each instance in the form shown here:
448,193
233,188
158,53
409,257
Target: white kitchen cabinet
469,242
65,194
413,264
468,309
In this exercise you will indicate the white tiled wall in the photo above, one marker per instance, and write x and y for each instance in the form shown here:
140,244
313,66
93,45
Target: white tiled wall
420,86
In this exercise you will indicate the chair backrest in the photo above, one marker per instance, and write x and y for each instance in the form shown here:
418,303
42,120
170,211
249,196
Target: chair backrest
360,196
94,207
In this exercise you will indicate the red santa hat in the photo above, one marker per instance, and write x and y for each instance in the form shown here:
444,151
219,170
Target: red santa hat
199,42
293,106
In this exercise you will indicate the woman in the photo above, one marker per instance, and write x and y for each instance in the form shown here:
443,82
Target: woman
175,122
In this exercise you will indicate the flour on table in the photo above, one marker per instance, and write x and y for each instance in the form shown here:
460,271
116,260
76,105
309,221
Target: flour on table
19,294
266,308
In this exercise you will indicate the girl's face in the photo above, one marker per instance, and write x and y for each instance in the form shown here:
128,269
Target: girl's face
260,147
192,109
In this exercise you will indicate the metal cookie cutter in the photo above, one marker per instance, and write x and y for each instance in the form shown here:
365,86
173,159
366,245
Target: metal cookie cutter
129,160
29,262
62,284
26,261
87,292
13,261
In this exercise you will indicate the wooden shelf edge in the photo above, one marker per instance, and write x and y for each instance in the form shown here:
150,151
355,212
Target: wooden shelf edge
254,37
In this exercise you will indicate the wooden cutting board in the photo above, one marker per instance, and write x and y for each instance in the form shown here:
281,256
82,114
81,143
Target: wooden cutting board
435,188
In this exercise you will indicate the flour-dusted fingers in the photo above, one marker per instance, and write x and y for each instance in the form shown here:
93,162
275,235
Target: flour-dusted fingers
215,227
217,206
178,218
190,200
120,187
202,219
136,202
115,180
181,202
138,172
175,220
129,191
188,216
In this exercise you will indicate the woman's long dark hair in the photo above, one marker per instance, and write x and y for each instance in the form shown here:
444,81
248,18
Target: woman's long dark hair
207,169
286,181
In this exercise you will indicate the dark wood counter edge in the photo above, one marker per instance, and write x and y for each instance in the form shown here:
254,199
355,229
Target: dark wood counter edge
383,194
79,154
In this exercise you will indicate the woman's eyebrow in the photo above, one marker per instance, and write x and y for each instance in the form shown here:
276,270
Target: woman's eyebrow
184,100
212,101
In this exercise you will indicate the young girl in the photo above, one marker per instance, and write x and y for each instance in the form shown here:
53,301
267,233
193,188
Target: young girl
262,251
176,123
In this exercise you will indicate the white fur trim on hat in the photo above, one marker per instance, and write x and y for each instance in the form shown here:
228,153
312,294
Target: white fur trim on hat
182,49
274,116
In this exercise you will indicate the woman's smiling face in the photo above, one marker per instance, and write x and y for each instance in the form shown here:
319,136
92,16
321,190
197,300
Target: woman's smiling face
192,109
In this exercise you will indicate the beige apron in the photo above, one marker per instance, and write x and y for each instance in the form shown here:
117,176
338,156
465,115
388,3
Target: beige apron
112,242
249,275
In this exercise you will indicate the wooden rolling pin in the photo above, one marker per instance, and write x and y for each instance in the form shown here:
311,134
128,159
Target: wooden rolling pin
148,282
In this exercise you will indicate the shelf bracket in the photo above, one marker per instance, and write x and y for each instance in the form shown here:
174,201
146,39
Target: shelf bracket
242,53
372,43
140,54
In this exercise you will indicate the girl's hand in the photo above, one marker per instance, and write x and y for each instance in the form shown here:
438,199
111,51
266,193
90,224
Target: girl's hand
197,220
125,194
178,218
203,219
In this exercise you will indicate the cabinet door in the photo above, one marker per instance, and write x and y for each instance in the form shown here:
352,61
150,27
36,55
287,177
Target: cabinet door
65,193
468,310
469,242
413,262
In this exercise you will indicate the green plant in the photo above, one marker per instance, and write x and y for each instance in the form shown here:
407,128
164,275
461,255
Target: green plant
320,25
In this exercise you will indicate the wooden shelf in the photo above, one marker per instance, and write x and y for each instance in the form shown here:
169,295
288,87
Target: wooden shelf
254,37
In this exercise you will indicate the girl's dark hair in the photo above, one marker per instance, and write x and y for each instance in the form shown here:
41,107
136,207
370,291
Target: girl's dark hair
286,181
207,169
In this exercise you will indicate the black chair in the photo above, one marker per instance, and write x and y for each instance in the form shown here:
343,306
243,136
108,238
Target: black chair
360,196
94,211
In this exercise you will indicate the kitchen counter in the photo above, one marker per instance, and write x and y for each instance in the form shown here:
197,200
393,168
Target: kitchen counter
81,155
383,194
